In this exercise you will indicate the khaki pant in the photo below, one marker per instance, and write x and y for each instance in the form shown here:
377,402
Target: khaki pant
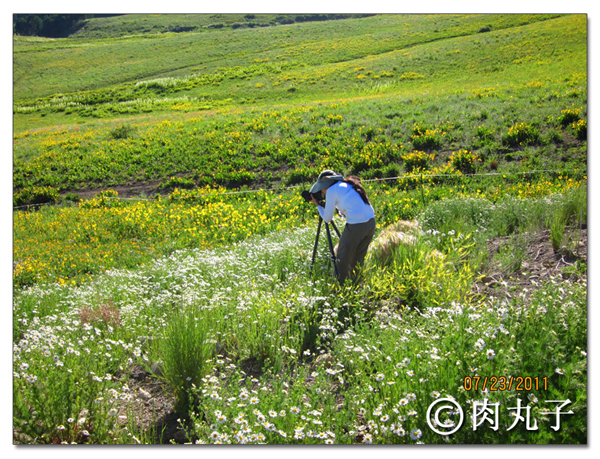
352,248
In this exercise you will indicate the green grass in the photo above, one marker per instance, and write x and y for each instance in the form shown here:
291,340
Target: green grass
183,351
494,93
325,53
71,243
144,24
205,280
269,145
382,361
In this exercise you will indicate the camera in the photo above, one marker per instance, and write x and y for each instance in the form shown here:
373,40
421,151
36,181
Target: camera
318,196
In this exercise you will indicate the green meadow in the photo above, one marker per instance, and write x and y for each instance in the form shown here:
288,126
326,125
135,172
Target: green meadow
162,282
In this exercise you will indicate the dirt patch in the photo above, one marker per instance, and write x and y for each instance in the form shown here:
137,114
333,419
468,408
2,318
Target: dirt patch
536,263
252,367
125,191
155,407
152,188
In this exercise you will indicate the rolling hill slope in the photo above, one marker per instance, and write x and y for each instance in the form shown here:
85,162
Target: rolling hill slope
50,67
273,105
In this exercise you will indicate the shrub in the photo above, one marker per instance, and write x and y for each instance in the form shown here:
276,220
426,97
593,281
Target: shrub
362,164
554,136
445,173
521,134
411,76
370,174
300,175
71,197
417,160
580,128
177,182
569,116
426,138
391,170
234,179
465,161
197,195
35,195
332,119
484,133
124,131
239,178
104,199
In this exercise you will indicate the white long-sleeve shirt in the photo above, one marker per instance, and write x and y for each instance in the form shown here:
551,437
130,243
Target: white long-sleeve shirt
343,196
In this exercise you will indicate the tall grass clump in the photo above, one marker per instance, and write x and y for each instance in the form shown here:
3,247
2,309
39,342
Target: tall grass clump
571,210
557,225
507,216
511,215
574,205
418,275
183,350
512,254
459,214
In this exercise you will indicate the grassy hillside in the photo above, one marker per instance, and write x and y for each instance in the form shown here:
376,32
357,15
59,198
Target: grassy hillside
137,24
41,66
355,87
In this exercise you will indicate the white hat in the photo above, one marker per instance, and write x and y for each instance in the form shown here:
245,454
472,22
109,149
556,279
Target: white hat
325,180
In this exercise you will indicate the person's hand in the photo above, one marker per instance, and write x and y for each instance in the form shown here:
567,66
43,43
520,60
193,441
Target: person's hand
313,200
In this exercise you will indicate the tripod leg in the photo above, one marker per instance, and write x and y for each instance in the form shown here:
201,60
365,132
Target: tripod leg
335,269
335,229
316,242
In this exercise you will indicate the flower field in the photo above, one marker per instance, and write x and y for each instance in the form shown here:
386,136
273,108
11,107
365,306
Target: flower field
340,366
70,244
163,290
359,365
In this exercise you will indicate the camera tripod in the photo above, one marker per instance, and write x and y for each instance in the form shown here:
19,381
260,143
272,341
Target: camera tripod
332,254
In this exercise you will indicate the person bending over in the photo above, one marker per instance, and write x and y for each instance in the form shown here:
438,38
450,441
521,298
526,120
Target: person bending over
350,198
